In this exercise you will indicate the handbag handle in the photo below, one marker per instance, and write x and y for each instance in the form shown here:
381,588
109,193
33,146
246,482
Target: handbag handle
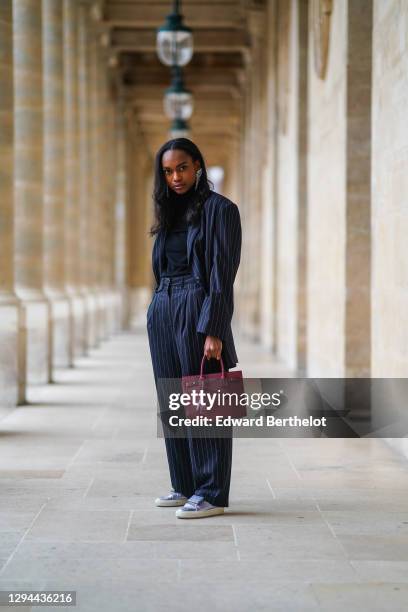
202,368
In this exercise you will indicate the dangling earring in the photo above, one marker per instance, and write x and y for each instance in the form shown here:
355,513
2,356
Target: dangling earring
167,190
198,176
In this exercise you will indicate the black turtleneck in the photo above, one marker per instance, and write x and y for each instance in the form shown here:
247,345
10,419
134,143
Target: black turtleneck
175,246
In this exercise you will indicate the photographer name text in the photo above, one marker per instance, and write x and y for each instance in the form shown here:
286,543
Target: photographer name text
259,421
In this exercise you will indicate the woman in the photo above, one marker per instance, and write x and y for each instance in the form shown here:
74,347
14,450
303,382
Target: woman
195,258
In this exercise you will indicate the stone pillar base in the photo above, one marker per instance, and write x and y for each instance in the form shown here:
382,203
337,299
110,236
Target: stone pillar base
34,341
119,298
109,317
113,313
78,323
139,299
99,316
9,371
60,332
125,301
247,322
91,320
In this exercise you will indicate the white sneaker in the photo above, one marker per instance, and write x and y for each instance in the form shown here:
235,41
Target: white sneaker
172,499
197,507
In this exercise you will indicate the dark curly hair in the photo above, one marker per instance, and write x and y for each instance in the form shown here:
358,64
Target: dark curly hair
163,203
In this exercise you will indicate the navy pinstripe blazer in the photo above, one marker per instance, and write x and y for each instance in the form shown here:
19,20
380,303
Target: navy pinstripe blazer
214,251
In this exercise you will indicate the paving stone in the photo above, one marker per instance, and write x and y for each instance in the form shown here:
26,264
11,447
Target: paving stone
181,531
79,525
375,547
374,596
73,571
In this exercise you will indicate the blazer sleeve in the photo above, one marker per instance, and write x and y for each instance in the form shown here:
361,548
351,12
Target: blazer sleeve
218,306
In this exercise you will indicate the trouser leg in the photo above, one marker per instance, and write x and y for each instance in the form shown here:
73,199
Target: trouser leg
166,364
211,458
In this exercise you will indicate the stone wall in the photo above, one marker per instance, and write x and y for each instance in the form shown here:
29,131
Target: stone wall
390,190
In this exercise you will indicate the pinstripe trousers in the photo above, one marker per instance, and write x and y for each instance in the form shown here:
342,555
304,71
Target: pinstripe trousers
197,465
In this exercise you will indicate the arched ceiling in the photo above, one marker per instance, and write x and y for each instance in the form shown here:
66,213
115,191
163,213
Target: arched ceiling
215,75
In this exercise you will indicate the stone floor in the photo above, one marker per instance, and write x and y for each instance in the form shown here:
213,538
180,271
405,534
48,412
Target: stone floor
314,524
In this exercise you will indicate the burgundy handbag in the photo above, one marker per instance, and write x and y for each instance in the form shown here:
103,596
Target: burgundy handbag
216,385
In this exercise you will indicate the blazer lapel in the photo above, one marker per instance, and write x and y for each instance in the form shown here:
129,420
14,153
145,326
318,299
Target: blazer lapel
161,237
191,234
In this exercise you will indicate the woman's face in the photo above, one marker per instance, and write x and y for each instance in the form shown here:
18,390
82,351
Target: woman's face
179,170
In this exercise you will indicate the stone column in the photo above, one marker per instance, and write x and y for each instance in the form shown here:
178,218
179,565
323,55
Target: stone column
28,176
116,222
72,219
120,212
290,193
234,171
138,242
268,299
102,138
253,168
357,350
99,140
9,310
339,314
244,270
85,166
129,202
95,187
302,143
54,185
110,171
105,138
257,163
6,152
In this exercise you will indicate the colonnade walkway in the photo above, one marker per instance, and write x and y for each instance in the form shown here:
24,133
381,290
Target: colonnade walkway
314,524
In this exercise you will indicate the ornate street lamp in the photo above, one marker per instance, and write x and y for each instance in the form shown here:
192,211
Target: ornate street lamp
178,101
174,41
179,129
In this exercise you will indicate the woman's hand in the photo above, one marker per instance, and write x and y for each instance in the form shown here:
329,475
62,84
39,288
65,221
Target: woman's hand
212,347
